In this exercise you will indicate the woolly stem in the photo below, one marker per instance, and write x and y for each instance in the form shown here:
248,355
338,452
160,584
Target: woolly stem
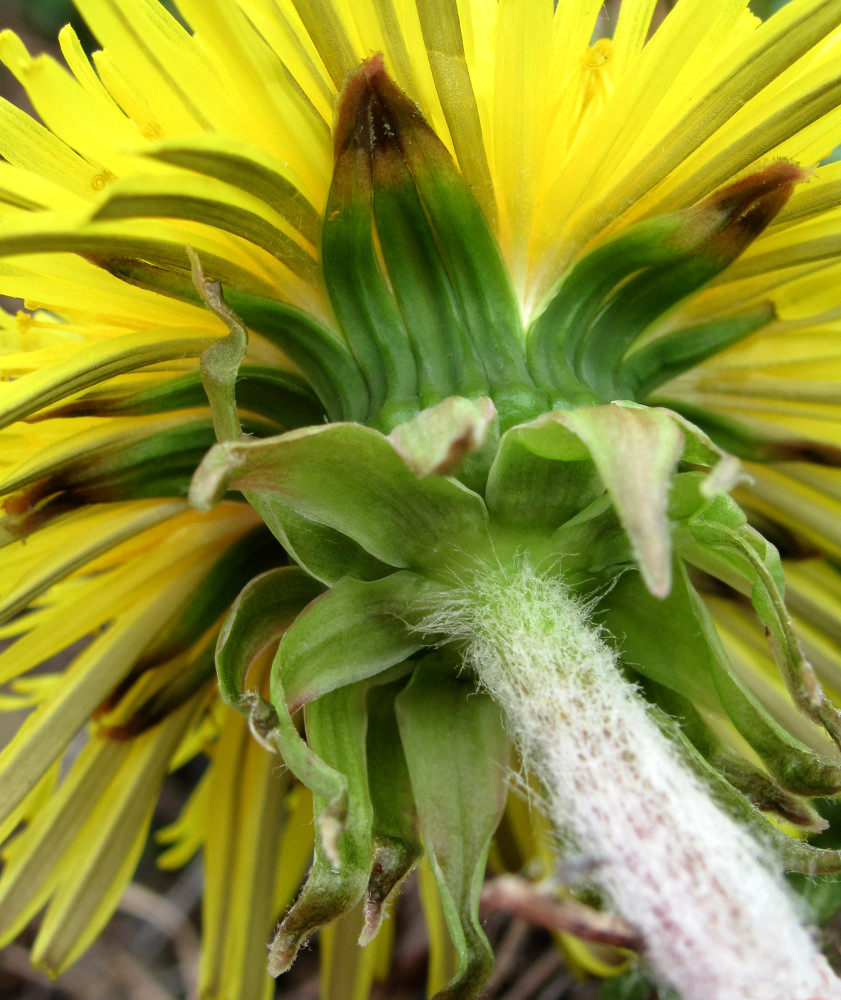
717,921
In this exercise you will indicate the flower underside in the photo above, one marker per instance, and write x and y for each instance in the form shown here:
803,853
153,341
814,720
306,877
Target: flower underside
445,481
558,470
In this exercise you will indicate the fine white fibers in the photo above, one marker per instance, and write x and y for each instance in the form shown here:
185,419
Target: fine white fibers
717,921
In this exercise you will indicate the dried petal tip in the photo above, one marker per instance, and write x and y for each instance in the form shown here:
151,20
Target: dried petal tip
742,210
393,860
373,111
352,125
438,440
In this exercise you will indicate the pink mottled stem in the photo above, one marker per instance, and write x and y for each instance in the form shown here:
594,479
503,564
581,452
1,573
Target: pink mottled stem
716,918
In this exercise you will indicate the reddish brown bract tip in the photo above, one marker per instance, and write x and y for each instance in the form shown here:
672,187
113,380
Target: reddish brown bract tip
746,207
373,112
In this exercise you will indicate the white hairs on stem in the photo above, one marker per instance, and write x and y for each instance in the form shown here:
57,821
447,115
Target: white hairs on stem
717,919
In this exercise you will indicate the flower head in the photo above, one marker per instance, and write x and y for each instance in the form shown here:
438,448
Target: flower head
468,301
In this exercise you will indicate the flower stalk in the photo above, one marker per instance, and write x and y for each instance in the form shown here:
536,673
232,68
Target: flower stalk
697,885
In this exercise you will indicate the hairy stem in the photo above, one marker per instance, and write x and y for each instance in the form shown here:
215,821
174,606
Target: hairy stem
717,920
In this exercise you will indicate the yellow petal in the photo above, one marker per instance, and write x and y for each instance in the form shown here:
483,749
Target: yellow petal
99,864
184,838
26,144
82,606
60,550
96,364
442,32
241,860
91,126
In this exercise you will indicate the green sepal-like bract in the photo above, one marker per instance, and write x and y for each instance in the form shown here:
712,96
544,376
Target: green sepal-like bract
356,630
796,855
395,833
219,364
277,396
362,301
749,562
593,545
349,479
634,450
578,343
442,719
674,353
450,300
262,612
332,760
439,440
336,726
673,642
348,636
447,360
471,257
326,552
321,356
756,784
557,331
531,493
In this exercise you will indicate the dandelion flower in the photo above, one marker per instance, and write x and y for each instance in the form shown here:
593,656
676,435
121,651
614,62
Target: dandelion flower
402,382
